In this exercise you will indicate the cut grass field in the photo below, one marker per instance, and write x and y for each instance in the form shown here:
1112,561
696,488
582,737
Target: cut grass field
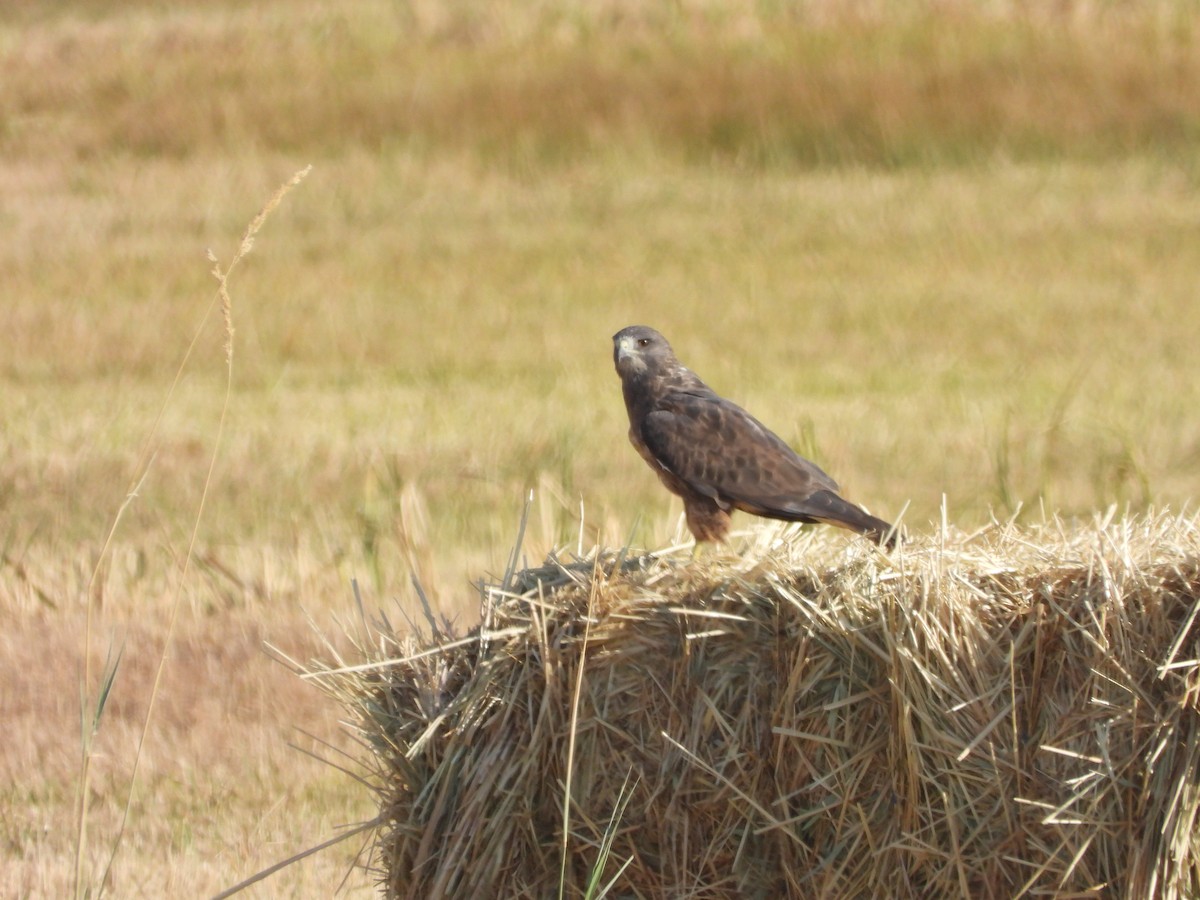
945,255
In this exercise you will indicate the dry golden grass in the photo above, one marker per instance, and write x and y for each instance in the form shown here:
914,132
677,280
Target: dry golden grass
945,252
754,83
1014,712
221,794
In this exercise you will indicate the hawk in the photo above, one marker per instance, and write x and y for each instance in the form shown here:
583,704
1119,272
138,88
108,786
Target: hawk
717,456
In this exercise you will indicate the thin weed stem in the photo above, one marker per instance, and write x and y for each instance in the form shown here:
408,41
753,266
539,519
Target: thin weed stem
144,464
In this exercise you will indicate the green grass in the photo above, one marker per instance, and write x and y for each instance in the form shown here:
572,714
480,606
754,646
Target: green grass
945,254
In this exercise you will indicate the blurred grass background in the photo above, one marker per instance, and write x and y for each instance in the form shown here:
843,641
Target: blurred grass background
946,250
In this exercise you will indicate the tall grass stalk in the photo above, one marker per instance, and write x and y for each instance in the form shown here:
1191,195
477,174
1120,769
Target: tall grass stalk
91,724
222,278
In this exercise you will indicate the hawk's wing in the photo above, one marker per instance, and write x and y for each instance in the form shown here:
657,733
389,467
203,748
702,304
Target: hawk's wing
720,450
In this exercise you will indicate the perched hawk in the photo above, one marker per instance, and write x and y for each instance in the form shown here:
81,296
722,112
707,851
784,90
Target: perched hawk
717,456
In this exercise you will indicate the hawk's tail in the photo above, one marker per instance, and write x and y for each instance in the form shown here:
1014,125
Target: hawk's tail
828,507
885,535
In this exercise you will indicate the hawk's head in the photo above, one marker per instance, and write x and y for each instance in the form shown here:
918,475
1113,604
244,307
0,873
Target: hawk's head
638,349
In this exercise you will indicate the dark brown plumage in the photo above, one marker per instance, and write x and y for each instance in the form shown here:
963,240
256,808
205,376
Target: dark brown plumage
717,456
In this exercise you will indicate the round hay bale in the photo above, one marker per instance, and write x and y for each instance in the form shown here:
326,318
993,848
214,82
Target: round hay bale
997,715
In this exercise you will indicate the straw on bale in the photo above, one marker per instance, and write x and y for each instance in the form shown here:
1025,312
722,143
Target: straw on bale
1012,713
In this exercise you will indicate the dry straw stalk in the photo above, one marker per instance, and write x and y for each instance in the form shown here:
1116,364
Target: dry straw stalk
1011,713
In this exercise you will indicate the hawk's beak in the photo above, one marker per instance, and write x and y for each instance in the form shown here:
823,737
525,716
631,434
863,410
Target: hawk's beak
628,358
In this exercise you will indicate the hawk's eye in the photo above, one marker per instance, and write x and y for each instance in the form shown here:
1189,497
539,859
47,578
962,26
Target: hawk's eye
643,342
